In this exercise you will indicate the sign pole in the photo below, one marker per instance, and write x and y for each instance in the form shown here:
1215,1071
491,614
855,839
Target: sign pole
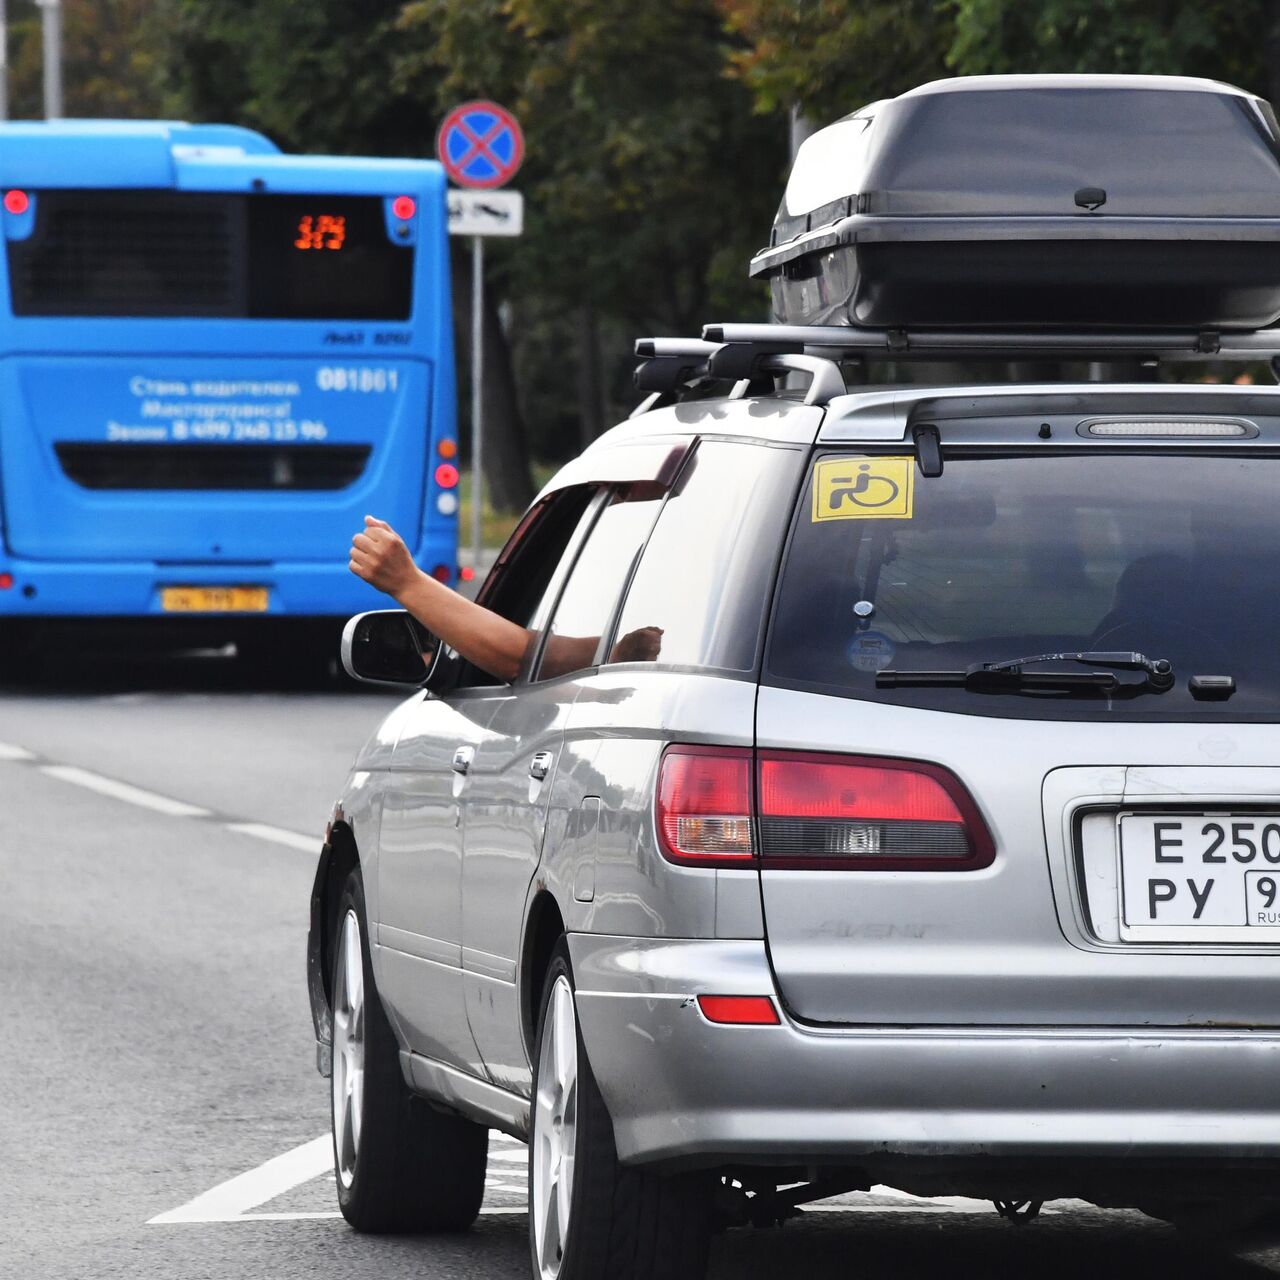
480,146
477,396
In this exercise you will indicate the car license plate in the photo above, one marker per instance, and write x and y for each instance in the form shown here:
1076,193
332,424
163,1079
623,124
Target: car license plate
214,599
1203,877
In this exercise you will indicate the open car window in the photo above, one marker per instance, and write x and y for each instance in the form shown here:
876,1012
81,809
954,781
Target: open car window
531,566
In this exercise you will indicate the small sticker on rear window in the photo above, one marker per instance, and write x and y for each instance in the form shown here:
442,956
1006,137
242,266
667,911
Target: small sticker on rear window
871,651
863,489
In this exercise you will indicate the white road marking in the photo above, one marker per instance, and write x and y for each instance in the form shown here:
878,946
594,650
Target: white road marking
277,835
230,1200
513,1156
9,752
123,791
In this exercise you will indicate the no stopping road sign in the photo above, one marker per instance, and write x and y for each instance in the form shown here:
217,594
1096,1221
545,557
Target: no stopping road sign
480,145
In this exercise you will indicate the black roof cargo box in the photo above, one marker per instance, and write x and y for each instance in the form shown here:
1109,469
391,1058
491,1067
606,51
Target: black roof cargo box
1037,202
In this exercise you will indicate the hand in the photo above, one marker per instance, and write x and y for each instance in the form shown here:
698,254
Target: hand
641,645
379,556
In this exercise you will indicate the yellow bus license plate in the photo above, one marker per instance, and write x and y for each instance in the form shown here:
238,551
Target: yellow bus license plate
214,599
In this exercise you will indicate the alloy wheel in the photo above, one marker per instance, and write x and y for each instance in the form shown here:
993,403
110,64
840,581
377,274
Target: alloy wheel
348,1048
555,1131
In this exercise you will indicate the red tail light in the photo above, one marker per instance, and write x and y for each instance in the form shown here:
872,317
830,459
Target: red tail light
446,475
723,806
16,202
704,806
821,812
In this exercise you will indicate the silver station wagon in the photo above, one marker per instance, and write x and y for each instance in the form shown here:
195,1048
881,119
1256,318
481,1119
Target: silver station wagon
930,838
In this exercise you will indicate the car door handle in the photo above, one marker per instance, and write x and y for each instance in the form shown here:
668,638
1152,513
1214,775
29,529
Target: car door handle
540,765
462,759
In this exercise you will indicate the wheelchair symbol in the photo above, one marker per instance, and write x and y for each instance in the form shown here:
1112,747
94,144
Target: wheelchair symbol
863,490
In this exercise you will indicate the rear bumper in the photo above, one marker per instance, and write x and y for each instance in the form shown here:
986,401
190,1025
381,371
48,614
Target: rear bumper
66,589
684,1091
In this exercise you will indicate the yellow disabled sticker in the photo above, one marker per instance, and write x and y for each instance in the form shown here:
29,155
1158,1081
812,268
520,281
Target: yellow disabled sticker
864,489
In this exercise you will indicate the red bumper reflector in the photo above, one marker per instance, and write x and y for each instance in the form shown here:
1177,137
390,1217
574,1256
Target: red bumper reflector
753,1011
441,573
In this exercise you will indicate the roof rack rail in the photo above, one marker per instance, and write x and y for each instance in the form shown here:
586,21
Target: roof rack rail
836,341
670,366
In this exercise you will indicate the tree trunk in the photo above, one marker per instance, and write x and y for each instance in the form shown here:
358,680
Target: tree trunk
508,482
590,379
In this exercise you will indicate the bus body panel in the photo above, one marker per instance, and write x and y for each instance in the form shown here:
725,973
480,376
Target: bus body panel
82,429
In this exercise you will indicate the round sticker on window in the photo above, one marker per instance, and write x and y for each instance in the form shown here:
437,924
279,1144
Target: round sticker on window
871,651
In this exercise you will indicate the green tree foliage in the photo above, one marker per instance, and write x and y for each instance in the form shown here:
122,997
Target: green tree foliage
648,180
314,76
829,57
113,56
1213,38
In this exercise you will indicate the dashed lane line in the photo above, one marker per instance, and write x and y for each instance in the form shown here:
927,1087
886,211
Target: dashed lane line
277,835
154,801
124,791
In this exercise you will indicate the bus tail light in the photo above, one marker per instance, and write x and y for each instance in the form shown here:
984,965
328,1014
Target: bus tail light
446,475
447,448
704,806
467,573
16,202
404,207
441,573
6,581
851,813
742,1011
447,504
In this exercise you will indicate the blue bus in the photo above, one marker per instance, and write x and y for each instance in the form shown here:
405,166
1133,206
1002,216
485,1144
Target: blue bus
214,360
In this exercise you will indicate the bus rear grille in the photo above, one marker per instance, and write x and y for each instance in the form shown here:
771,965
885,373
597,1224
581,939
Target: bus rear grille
216,466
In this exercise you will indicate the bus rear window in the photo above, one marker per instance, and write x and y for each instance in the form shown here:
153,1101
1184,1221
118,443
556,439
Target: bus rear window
164,253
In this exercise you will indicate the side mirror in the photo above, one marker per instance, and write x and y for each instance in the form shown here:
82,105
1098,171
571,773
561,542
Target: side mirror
388,646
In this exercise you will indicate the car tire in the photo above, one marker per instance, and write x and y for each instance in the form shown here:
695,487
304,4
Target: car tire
400,1164
590,1216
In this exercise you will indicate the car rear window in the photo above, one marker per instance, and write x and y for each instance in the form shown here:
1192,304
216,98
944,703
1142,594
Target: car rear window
1175,556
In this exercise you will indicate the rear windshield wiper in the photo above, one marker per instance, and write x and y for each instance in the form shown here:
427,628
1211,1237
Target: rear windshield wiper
1009,676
